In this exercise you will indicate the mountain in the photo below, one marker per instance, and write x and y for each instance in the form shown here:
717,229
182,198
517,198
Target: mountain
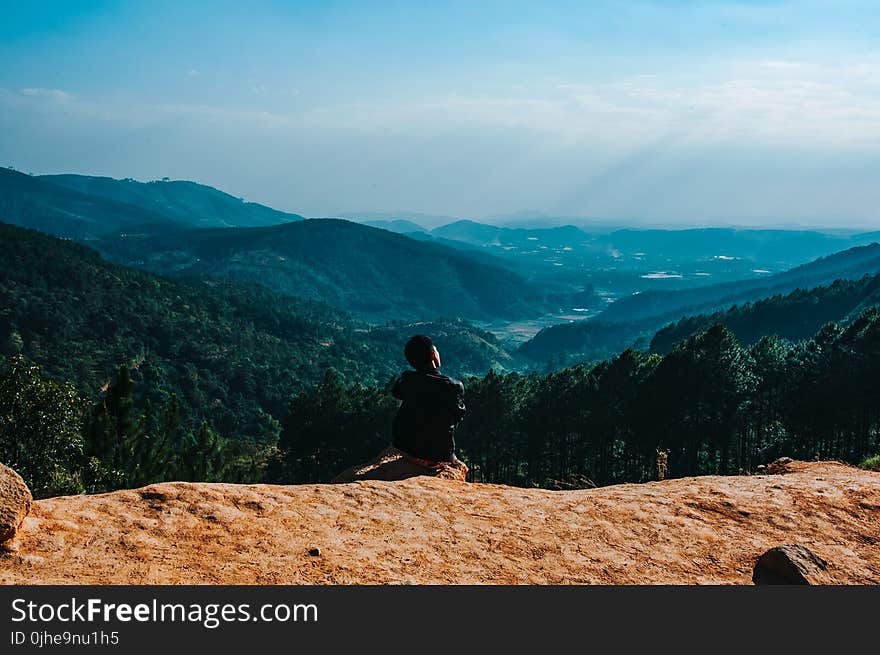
585,340
88,208
42,205
796,316
848,264
358,268
620,263
399,226
778,249
771,248
232,354
423,530
480,234
187,203
354,267
634,321
425,221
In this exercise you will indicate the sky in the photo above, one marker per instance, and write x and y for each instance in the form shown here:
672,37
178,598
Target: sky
670,112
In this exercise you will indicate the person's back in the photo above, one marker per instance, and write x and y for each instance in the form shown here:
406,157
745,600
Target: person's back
432,405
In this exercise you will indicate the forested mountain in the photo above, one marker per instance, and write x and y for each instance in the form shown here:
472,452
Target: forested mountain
561,345
187,203
848,264
768,246
36,203
795,316
232,354
684,251
86,208
510,239
351,266
209,367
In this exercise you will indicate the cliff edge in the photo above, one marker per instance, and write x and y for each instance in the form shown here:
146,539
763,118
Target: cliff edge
427,530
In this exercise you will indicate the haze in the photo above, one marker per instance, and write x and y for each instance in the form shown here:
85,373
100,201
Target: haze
671,113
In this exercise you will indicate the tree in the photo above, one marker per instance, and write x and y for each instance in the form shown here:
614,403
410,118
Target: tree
329,427
40,429
129,447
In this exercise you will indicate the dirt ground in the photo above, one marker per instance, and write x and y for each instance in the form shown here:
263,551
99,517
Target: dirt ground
423,530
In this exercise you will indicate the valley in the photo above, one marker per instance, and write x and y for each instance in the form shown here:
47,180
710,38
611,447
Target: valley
257,342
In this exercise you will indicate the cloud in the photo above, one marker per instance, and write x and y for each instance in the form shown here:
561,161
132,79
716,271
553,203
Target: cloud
55,94
193,72
781,65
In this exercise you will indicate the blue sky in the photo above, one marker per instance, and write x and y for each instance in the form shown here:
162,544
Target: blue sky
674,112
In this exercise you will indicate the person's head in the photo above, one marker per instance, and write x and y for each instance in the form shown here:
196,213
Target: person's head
421,353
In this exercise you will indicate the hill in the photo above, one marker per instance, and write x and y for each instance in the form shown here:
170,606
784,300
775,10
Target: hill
774,248
187,203
400,226
685,258
633,321
87,208
852,263
231,353
795,316
512,239
705,530
354,267
585,340
36,203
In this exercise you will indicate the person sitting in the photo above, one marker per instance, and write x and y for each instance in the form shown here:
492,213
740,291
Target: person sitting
433,404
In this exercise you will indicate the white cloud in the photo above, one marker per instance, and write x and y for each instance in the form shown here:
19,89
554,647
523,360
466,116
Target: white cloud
781,65
55,94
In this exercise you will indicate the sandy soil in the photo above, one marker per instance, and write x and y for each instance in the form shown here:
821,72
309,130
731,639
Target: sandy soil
424,530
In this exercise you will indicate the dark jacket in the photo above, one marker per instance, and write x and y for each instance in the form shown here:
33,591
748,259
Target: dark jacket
425,423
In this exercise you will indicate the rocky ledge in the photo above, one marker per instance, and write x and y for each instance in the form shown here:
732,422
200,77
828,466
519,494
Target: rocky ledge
428,530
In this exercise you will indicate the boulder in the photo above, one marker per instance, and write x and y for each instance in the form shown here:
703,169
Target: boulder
790,564
15,502
393,464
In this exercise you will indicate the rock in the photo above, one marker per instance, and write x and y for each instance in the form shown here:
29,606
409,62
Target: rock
15,502
779,465
393,464
427,531
789,564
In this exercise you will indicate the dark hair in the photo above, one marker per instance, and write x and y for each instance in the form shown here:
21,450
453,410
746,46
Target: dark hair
418,351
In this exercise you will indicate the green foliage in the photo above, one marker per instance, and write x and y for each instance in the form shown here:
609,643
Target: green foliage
195,377
579,341
60,445
232,355
664,306
795,316
130,447
36,203
40,429
871,464
204,457
711,406
356,268
330,427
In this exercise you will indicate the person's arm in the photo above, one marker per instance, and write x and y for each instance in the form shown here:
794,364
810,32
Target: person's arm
461,408
397,389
